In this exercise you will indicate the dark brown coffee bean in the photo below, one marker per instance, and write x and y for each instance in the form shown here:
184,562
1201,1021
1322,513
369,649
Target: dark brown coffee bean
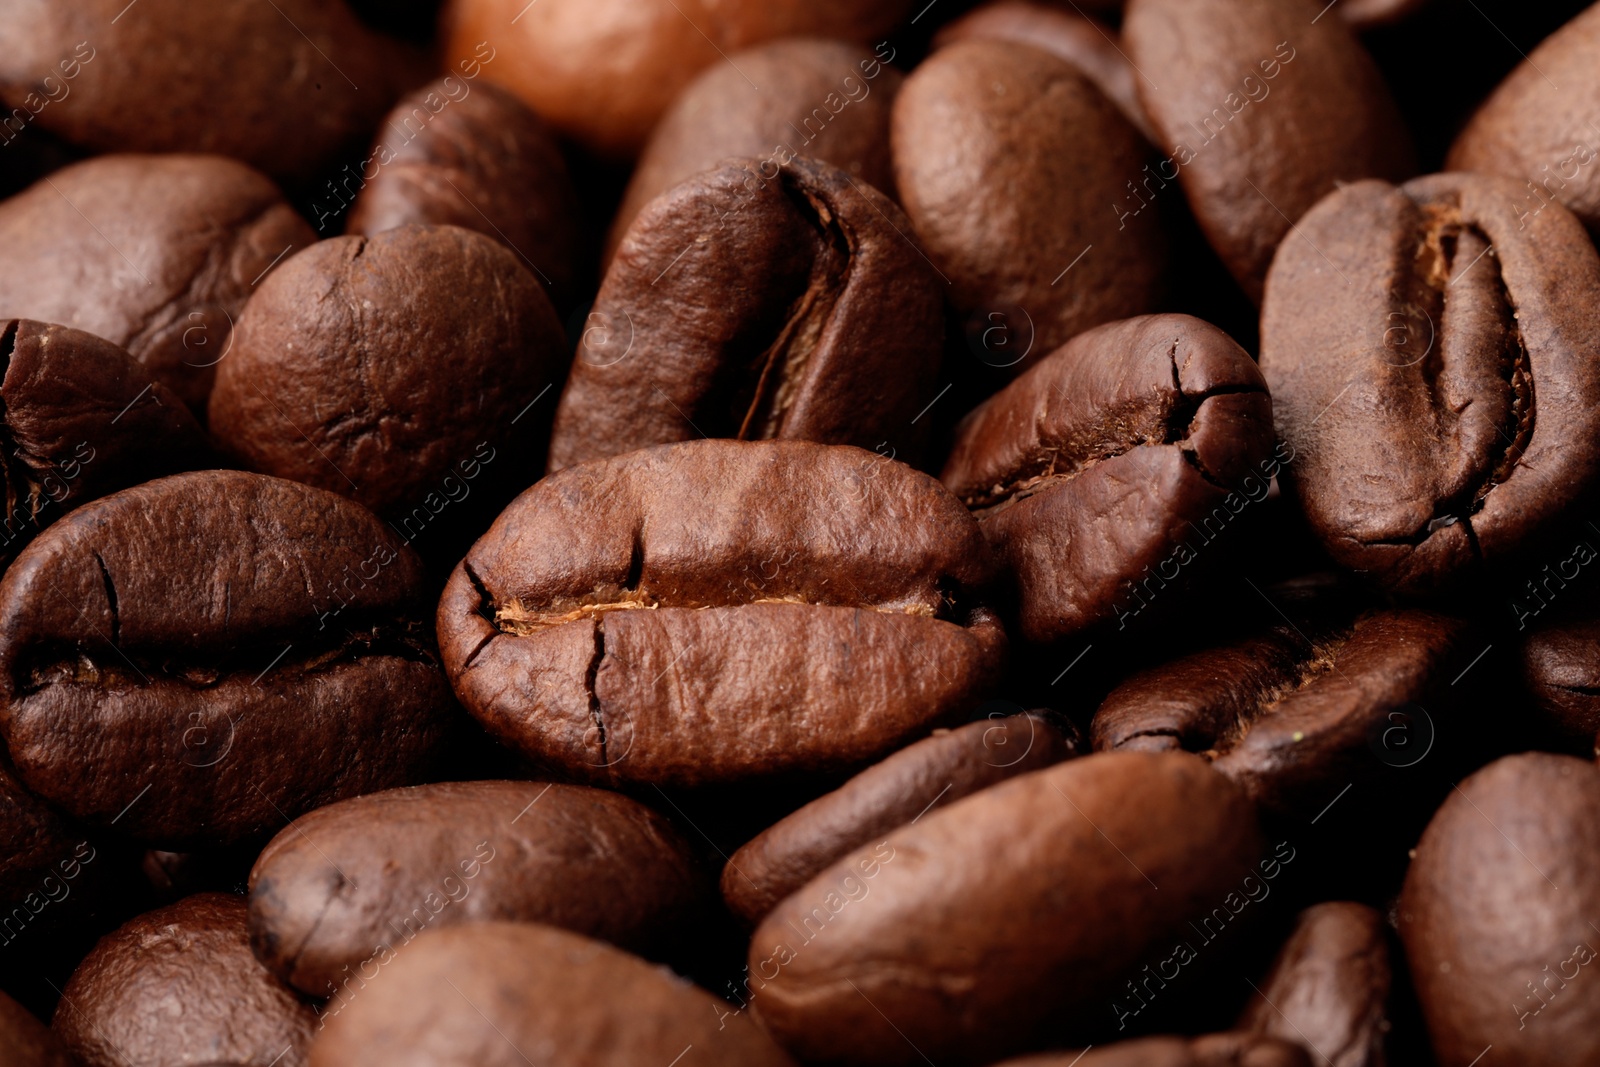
1561,668
1497,915
935,771
348,887
156,254
1328,990
963,935
499,993
1212,1050
26,1040
1008,162
179,985
1264,108
1110,459
374,366
757,301
562,56
722,610
468,154
1539,129
282,86
796,97
37,847
1296,714
203,657
1426,356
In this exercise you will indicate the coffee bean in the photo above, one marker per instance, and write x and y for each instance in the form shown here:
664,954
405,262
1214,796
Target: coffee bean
1008,161
1497,910
1107,459
963,935
374,366
757,301
468,154
1425,357
28,1043
498,993
206,656
929,774
350,886
1264,108
179,985
1212,1050
156,254
722,610
1561,668
1328,990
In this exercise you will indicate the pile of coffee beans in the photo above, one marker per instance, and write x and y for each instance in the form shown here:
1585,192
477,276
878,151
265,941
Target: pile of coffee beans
728,533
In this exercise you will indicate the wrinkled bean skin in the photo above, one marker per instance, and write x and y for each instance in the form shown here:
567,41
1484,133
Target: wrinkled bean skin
1212,1050
494,989
1496,911
1441,400
374,366
819,98
156,254
757,306
1262,94
1561,668
199,635
27,1041
349,885
1009,162
1166,404
1329,987
722,610
479,160
1017,944
935,771
120,1006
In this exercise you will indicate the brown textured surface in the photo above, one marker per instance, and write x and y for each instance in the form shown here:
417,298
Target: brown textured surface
604,71
27,1042
757,306
179,987
282,86
1234,1049
471,155
794,607
800,96
1435,381
187,635
156,254
1561,667
495,994
1274,146
1010,163
349,886
1328,990
966,933
1097,463
1497,911
372,366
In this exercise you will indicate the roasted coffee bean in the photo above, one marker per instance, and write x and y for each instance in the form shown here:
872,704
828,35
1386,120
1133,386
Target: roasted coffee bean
79,418
496,993
935,771
1328,990
470,155
562,57
349,886
39,846
26,1040
1561,668
1086,43
282,86
1538,128
757,301
1265,108
722,610
206,656
179,985
1359,14
796,97
1109,459
375,366
1497,915
156,254
1008,162
1425,348
965,934
1212,1050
